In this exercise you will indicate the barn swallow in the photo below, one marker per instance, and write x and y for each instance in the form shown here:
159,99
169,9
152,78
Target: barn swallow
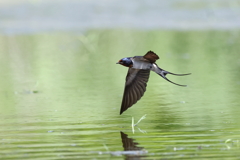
139,68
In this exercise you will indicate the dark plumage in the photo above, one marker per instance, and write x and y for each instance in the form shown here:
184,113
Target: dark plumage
137,77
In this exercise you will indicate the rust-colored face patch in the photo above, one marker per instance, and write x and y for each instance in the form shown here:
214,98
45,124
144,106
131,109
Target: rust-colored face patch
127,62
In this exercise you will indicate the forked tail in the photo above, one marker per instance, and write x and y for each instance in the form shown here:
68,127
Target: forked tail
163,74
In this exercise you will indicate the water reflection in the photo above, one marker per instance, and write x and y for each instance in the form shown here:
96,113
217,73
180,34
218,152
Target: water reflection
131,150
74,113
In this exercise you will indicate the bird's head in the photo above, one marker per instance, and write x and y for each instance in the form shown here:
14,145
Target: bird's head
127,62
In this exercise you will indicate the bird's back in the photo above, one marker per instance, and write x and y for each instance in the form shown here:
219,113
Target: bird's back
141,63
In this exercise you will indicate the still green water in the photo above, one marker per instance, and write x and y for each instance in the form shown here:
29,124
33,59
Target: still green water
61,95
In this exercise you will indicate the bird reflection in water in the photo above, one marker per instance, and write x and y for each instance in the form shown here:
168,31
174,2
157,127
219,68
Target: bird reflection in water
131,150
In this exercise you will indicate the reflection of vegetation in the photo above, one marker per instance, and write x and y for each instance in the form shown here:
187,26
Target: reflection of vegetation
133,124
230,143
80,89
87,64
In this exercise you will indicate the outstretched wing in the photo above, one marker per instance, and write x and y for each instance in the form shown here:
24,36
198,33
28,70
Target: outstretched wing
135,86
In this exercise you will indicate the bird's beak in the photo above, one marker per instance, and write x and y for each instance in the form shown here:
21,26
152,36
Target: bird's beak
117,63
163,74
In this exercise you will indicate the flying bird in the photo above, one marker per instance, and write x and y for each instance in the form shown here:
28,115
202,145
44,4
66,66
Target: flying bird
139,68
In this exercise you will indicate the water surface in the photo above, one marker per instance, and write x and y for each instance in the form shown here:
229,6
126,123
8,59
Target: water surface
61,94
33,16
